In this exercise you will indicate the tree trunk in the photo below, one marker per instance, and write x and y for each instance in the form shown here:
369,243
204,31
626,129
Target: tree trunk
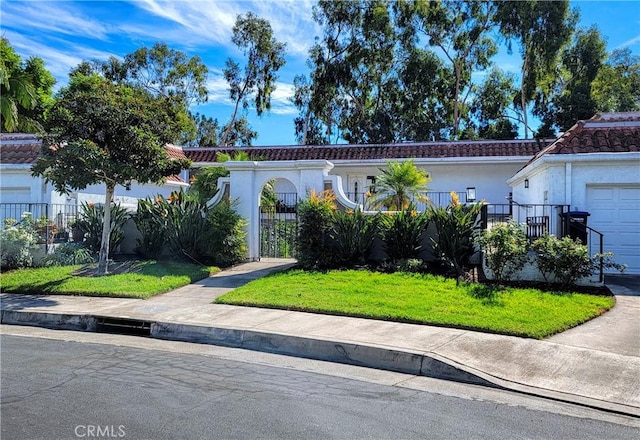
523,100
103,260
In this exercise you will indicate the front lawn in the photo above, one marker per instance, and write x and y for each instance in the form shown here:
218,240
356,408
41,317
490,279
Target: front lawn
132,279
423,299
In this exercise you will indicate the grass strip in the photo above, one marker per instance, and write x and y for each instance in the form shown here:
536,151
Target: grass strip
422,299
136,279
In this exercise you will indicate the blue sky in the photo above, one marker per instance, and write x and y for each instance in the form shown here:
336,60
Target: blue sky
64,33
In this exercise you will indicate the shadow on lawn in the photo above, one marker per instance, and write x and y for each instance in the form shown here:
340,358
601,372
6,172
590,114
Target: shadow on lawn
487,293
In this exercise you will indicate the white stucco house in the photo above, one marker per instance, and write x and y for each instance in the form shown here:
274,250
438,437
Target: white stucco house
21,192
593,167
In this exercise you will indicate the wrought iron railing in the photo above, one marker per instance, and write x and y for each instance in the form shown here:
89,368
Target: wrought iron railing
435,198
539,219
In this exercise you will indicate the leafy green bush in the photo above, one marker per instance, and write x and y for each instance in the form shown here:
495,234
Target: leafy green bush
68,254
190,229
402,233
90,223
227,234
457,226
314,219
568,260
152,227
18,242
186,226
352,234
505,249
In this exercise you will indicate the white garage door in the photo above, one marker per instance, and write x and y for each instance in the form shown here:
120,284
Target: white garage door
615,211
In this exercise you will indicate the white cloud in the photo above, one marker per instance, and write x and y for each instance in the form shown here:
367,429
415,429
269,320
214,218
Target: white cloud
59,17
202,22
631,42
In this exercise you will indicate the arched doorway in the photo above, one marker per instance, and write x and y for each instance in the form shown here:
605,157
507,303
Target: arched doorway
278,219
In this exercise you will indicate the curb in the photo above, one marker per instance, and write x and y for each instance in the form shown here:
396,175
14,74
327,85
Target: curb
370,356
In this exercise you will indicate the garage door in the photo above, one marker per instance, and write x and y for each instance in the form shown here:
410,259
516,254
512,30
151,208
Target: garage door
615,211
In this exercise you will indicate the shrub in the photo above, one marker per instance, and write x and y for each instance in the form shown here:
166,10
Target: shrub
68,254
90,223
505,249
456,226
152,227
568,260
227,234
352,235
18,242
402,233
186,225
314,217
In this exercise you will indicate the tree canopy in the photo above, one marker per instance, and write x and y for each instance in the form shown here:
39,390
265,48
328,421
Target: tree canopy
25,91
105,132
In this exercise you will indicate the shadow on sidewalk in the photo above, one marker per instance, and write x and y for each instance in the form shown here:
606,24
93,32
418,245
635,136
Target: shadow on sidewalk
14,301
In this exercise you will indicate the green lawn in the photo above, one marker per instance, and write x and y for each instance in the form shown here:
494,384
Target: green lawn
138,279
423,299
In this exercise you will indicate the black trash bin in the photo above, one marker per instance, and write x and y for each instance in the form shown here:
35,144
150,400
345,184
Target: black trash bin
574,224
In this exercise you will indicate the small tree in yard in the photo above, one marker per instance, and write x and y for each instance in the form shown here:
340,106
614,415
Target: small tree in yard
111,133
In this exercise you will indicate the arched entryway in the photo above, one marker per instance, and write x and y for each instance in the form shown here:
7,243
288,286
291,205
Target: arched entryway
278,219
293,179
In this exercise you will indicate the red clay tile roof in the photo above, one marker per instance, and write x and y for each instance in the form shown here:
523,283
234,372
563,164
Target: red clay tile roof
18,148
460,149
604,133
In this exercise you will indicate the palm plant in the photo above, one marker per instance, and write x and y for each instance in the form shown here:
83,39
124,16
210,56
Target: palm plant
17,92
399,185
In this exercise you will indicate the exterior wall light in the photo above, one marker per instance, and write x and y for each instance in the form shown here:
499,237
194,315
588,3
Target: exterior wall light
526,183
471,194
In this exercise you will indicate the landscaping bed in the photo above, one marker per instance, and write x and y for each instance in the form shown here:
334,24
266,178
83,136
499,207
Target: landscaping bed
423,299
128,279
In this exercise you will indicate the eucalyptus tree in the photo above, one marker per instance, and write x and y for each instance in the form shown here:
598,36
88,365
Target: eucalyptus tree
99,131
541,29
257,79
616,88
25,91
491,106
460,31
366,85
571,98
166,73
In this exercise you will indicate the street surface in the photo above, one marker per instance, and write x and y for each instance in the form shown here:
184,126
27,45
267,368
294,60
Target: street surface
68,385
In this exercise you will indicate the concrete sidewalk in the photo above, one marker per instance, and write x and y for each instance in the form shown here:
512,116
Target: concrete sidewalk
596,364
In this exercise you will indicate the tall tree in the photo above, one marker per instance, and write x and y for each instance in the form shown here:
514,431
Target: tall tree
541,28
491,106
25,91
264,57
460,31
366,85
616,88
166,73
101,132
570,98
308,127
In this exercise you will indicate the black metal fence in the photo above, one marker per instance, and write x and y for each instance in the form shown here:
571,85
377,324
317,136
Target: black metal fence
434,198
538,219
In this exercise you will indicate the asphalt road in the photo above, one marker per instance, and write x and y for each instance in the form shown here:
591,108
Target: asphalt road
136,388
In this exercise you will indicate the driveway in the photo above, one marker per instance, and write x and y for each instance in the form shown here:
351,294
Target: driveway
618,330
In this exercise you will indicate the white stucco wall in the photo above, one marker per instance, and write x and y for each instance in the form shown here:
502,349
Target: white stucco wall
565,177
487,175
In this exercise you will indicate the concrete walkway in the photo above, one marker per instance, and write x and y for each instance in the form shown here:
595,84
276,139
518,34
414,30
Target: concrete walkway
596,364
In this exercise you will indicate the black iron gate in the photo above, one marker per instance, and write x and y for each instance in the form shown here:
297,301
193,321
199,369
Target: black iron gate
279,226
